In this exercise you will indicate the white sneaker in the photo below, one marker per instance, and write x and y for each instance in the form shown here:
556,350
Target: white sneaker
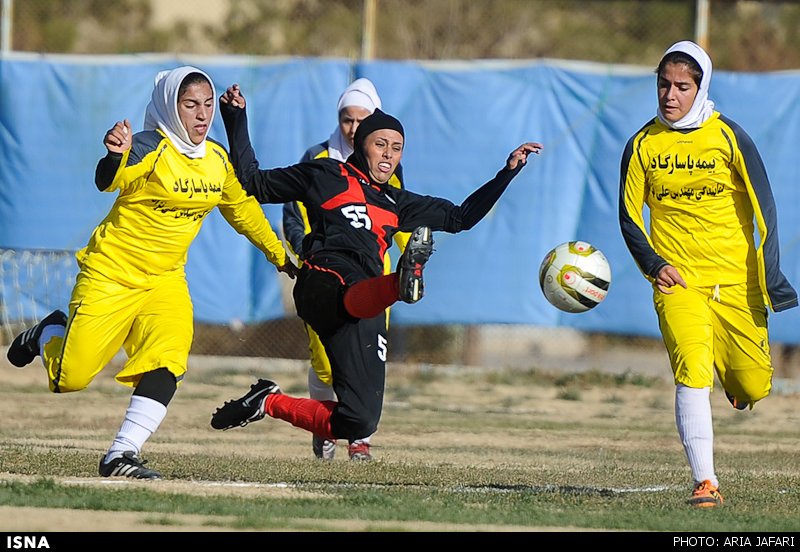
323,448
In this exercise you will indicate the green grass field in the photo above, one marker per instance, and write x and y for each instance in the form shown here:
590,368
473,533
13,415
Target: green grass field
456,451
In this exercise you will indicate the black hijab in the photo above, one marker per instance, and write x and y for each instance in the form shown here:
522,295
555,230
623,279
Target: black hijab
377,121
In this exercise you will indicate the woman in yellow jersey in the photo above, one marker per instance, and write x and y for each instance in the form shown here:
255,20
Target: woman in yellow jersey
131,290
711,251
359,100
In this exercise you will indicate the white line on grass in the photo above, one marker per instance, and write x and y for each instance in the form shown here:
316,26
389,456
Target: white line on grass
575,489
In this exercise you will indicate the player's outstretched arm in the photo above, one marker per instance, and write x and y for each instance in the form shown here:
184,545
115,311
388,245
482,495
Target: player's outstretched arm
475,207
234,117
520,155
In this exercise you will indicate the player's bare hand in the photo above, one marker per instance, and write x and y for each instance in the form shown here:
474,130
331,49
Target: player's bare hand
669,277
233,97
118,139
289,269
520,155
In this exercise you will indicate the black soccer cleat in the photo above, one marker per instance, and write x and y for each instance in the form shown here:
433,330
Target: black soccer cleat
417,253
127,465
736,403
249,408
25,346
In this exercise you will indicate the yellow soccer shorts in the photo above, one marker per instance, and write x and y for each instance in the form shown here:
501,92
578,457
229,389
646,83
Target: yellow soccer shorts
319,358
722,329
155,326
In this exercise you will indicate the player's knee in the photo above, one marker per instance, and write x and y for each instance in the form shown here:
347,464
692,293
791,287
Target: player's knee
68,385
68,373
65,380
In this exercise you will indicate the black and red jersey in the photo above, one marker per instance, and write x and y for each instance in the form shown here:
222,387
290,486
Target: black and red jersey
352,215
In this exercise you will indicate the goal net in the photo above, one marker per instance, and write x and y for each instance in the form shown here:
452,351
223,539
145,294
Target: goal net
33,283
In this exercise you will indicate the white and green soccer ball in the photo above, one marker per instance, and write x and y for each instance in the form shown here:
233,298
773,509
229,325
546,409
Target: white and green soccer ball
575,276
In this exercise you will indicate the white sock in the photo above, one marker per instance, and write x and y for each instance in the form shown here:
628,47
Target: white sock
695,427
143,417
49,332
319,390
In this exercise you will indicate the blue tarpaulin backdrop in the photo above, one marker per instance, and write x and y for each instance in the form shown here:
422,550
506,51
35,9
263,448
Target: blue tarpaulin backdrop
461,121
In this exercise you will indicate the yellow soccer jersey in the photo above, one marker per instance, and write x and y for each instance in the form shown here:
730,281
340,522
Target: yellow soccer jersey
704,189
163,198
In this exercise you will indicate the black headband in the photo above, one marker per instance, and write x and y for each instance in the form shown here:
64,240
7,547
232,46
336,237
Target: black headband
377,121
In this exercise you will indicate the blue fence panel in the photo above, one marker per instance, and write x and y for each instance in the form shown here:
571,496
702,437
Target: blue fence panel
461,121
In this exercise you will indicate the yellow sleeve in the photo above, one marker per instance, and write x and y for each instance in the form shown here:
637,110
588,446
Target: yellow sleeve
633,193
246,216
401,239
634,196
129,178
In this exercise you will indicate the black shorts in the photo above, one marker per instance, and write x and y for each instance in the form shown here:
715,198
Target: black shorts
319,292
356,347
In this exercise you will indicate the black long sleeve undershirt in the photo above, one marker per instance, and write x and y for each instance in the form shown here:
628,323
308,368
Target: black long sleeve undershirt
464,217
241,151
480,202
106,169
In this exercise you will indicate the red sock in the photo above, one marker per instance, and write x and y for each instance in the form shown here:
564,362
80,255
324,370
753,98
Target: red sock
314,416
369,298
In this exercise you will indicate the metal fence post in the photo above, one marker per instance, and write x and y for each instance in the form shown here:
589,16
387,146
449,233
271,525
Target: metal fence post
5,26
368,30
702,8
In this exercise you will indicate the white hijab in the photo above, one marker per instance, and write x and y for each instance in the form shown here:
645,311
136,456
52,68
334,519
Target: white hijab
361,93
702,108
162,111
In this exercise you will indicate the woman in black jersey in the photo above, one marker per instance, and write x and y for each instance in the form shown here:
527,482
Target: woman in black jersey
341,291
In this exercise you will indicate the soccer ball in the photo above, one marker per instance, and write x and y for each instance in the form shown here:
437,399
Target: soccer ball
575,276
